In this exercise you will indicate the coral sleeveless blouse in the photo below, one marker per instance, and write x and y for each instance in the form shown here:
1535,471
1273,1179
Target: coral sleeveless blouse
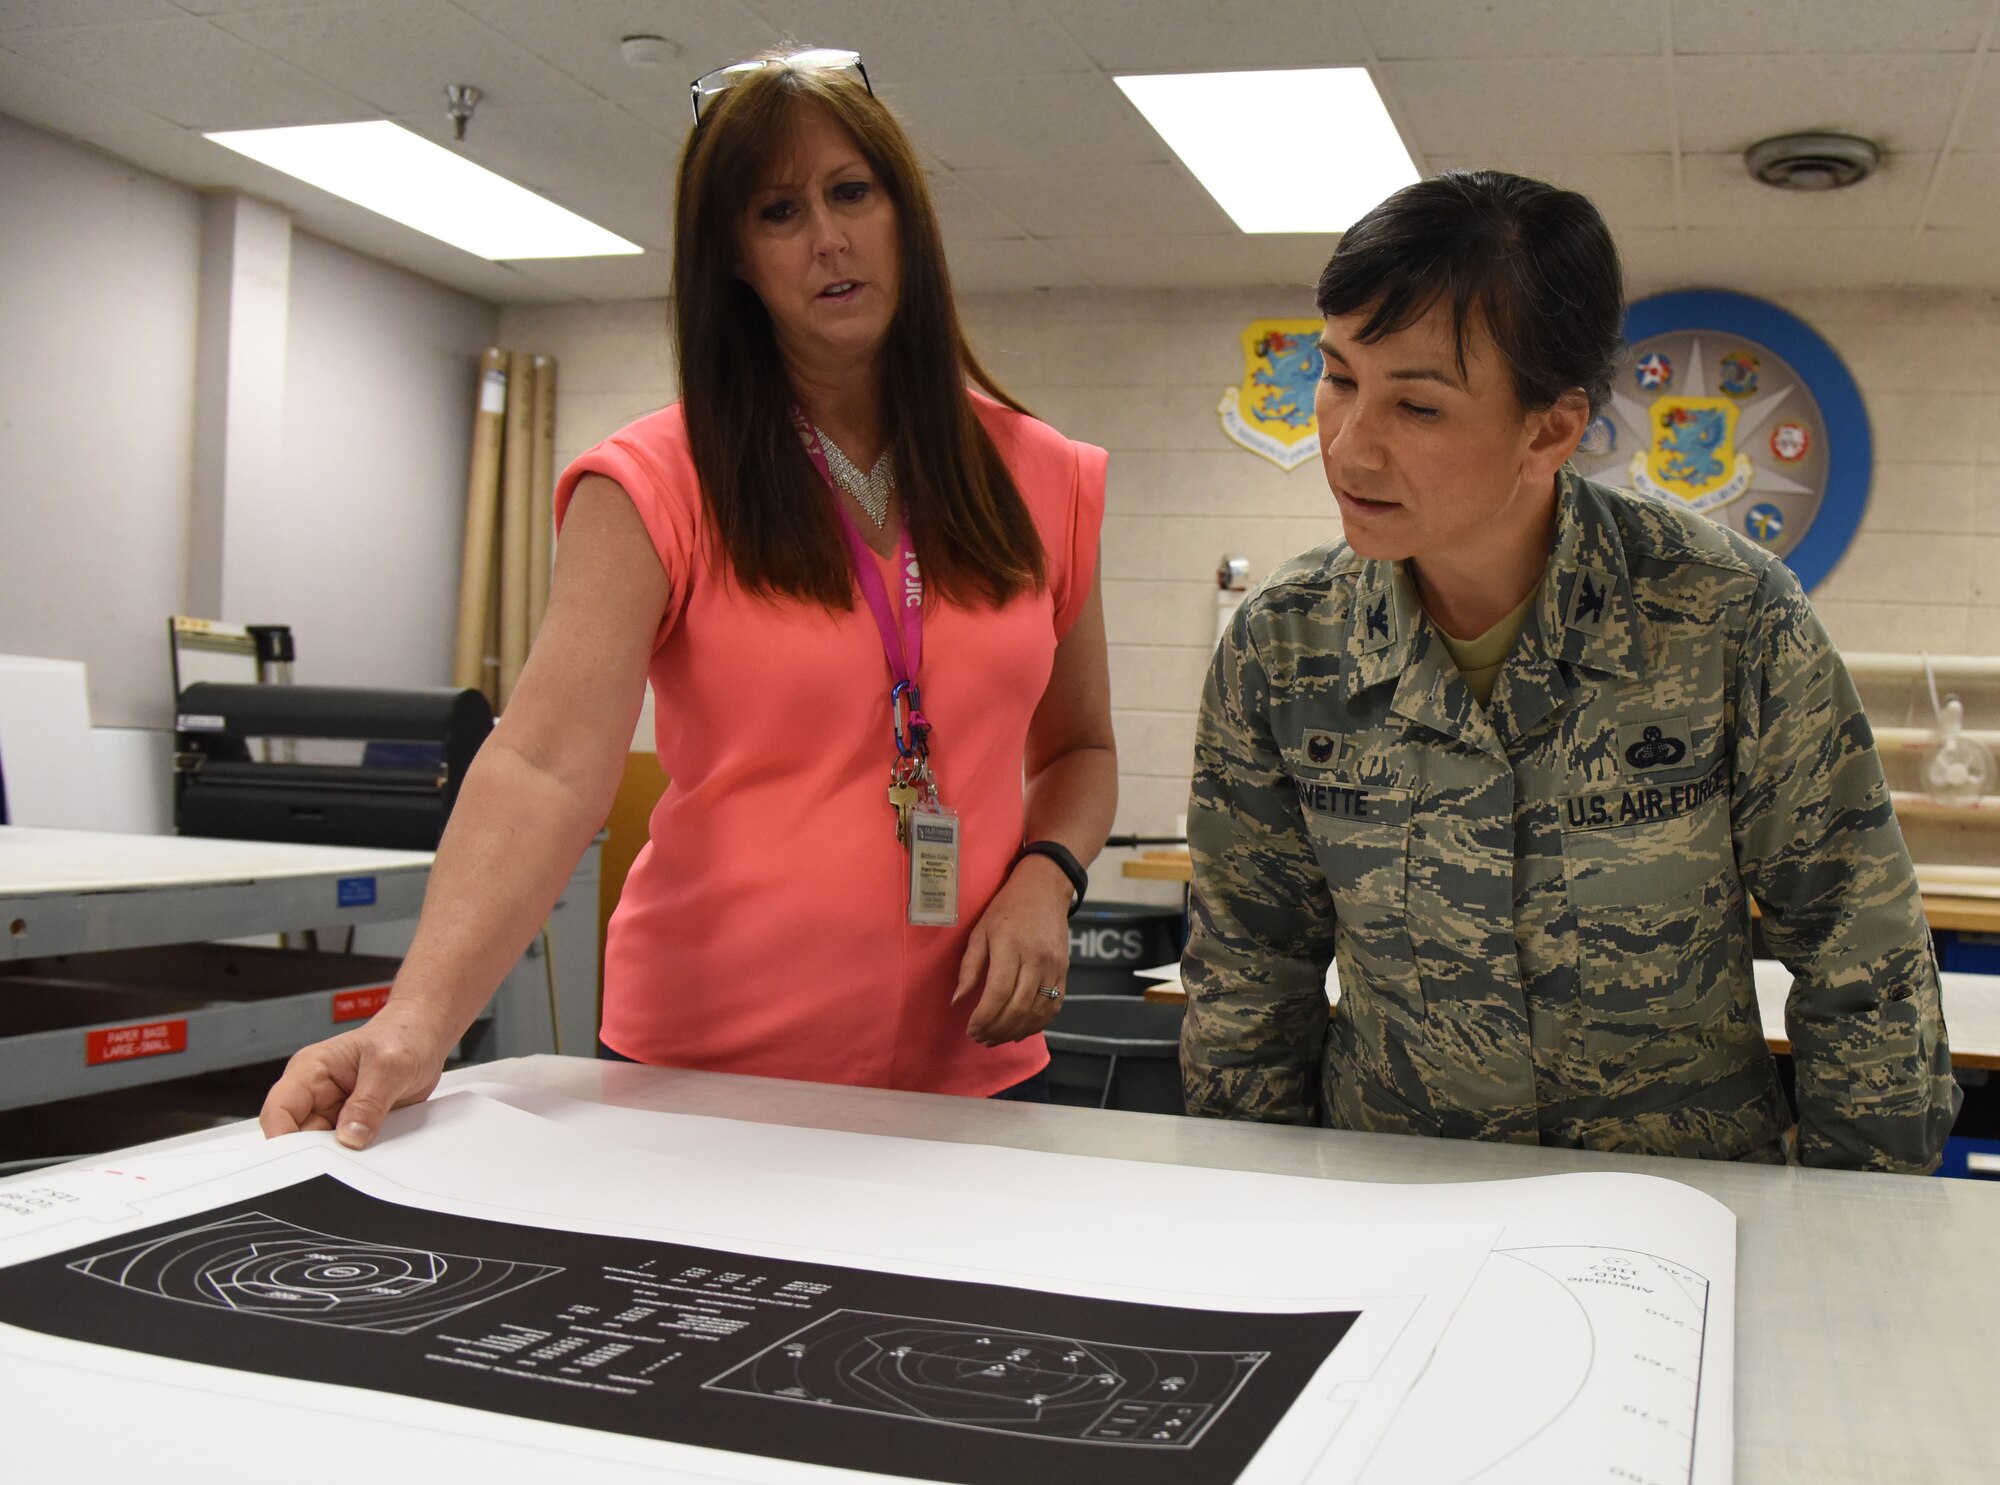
762,928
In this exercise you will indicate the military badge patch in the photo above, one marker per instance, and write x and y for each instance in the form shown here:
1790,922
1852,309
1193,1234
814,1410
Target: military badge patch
1587,600
1372,614
1647,746
1326,749
1270,412
1765,523
1739,374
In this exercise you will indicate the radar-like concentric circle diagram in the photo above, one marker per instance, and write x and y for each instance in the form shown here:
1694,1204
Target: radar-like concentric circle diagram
1023,1382
258,1265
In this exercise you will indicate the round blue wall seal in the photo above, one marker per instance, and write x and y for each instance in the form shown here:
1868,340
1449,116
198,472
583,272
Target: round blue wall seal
1737,409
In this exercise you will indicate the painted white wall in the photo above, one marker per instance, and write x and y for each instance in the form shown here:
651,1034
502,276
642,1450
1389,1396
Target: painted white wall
359,550
355,542
98,297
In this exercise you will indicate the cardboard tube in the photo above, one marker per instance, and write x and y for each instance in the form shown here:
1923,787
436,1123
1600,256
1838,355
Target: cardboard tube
541,502
482,488
489,644
516,478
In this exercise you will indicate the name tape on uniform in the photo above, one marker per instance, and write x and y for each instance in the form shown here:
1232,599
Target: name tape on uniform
1371,802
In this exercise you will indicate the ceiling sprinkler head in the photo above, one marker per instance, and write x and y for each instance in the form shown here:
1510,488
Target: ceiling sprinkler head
647,50
1812,162
460,100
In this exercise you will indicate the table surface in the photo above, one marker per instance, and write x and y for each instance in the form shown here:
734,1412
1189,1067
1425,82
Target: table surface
65,892
35,861
1867,1305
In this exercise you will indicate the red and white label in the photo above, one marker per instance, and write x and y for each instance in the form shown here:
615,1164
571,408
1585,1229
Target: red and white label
121,1043
359,1005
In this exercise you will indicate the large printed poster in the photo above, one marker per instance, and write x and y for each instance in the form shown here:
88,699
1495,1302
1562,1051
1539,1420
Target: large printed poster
893,1374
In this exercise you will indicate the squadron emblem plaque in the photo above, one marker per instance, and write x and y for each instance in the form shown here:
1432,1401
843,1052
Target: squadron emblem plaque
1737,409
1270,412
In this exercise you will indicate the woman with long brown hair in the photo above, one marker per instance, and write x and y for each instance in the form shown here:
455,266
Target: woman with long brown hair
866,598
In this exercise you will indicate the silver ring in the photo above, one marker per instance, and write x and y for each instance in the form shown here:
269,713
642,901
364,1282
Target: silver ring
1050,992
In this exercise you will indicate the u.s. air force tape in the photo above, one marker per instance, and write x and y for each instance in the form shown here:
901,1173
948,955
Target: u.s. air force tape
1607,808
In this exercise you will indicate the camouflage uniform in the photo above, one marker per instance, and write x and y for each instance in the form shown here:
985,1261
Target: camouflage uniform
1540,909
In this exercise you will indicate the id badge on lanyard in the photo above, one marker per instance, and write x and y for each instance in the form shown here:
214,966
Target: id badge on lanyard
934,867
924,827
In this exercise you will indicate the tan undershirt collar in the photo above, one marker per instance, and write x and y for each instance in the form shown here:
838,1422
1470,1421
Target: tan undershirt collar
1479,660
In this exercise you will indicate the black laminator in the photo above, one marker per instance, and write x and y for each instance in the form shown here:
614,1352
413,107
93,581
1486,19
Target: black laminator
249,762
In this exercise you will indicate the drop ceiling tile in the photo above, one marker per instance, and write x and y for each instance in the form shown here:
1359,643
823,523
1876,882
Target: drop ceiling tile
1472,107
1510,28
1720,192
581,38
1102,201
189,73
238,7
1201,36
179,155
378,237
436,45
1004,122
1979,130
1967,258
904,40
1969,195
964,216
1903,103
1777,260
601,279
1290,261
46,98
1654,258
1730,26
992,267
1631,191
33,15
593,158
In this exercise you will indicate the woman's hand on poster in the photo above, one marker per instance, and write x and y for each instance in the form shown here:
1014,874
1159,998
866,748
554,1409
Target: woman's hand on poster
349,1083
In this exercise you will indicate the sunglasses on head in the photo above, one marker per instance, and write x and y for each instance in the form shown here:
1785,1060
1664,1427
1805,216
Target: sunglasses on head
705,89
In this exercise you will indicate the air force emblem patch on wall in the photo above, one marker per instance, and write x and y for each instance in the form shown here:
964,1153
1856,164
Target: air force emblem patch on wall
1270,412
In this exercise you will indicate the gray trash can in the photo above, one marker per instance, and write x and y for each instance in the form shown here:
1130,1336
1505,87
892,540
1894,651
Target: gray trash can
1116,1052
1108,941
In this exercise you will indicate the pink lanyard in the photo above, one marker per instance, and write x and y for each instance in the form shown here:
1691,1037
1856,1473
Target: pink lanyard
903,650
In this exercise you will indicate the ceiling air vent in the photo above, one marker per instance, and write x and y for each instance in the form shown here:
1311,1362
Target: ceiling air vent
1812,162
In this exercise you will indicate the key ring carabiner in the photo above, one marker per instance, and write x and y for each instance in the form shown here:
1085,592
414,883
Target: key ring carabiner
912,730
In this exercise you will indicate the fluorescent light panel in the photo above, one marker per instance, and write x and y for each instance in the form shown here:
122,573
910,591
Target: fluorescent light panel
405,177
1333,155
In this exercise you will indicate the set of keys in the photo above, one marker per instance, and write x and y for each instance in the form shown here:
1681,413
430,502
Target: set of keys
910,784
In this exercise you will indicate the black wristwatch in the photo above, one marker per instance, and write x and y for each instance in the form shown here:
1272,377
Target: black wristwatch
1059,853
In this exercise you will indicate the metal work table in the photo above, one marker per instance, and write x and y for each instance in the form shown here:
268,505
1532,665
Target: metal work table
1867,1303
74,903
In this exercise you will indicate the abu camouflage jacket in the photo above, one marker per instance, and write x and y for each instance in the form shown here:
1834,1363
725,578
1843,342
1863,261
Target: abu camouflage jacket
1540,909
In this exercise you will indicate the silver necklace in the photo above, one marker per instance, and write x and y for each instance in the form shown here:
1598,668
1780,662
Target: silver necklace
870,490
